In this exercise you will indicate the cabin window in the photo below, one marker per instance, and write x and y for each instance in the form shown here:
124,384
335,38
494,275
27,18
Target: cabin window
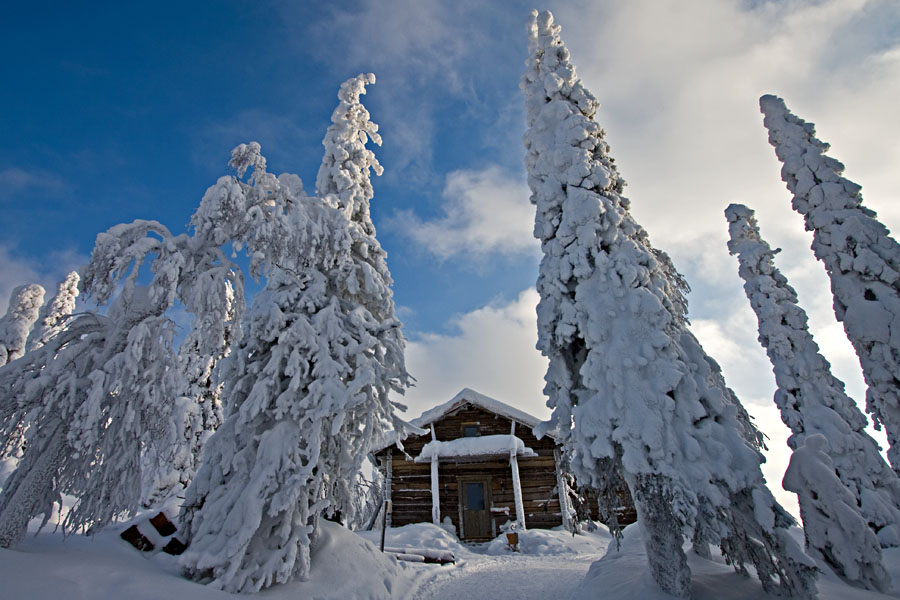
470,430
475,496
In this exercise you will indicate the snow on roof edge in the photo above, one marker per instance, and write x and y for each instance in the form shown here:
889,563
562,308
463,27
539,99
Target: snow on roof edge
472,397
465,395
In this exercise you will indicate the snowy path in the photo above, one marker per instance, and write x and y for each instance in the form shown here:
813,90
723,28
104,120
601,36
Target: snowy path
519,577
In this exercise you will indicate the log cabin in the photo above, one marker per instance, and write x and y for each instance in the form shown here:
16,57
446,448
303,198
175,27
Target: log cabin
477,466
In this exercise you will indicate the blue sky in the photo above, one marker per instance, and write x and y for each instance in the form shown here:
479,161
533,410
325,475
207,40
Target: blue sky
118,111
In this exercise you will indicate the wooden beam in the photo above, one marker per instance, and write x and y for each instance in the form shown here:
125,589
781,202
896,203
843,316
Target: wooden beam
517,485
435,485
388,475
563,494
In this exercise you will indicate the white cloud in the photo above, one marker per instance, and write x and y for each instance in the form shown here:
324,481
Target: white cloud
410,36
14,181
417,49
485,212
492,351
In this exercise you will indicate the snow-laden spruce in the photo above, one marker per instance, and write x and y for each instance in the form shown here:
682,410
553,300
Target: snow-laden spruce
111,387
629,386
191,269
92,397
834,530
859,255
813,404
811,400
54,314
198,411
308,386
51,320
23,310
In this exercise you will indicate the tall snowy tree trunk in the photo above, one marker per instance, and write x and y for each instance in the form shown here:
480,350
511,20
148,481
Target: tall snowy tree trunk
663,543
860,257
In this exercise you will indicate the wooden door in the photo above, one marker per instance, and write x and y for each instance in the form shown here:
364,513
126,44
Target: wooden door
476,508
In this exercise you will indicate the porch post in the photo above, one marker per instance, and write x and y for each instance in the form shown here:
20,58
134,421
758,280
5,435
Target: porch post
561,488
435,485
389,475
517,485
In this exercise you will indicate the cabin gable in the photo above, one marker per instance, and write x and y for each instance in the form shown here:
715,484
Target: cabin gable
475,490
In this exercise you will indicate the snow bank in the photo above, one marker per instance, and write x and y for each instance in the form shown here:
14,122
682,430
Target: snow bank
344,567
347,567
623,574
548,542
417,535
485,445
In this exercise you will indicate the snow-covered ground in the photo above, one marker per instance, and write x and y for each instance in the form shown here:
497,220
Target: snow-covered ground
349,566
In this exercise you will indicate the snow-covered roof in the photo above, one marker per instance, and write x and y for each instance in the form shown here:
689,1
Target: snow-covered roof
484,445
419,425
470,396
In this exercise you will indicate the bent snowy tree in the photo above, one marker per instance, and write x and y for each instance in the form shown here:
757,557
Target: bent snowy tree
308,388
91,399
630,388
55,313
861,259
810,398
24,306
834,530
813,403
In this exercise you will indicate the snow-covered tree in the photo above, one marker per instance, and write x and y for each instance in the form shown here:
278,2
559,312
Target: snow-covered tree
52,318
628,386
54,314
198,411
364,282
811,400
146,414
24,306
859,255
92,397
834,530
308,386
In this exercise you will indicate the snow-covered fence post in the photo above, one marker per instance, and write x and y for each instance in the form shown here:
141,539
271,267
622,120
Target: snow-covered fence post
517,484
435,484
